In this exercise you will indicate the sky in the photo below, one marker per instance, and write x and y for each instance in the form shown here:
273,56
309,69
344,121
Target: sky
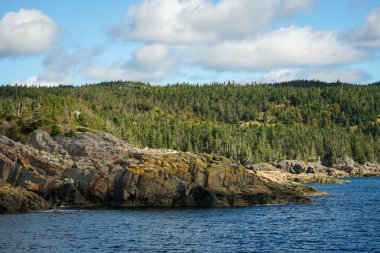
44,42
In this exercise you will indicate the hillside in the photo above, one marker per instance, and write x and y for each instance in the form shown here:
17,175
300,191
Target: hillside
305,120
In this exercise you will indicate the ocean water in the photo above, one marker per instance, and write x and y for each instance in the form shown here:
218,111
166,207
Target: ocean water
346,220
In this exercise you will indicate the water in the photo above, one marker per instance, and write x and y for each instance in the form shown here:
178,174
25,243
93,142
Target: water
347,220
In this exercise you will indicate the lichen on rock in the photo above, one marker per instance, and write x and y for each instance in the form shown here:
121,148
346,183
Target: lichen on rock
97,169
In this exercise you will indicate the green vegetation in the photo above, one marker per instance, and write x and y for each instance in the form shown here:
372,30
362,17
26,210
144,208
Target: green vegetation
305,120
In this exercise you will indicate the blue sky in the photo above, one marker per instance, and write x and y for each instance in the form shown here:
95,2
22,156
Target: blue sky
198,41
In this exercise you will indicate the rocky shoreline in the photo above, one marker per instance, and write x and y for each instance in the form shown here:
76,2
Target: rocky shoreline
99,170
315,172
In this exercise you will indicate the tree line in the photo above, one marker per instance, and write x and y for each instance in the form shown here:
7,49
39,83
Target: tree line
307,120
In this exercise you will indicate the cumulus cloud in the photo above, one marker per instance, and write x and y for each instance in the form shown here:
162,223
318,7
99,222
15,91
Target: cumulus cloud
48,78
62,60
198,21
368,35
61,66
327,75
150,63
150,57
285,47
26,32
204,37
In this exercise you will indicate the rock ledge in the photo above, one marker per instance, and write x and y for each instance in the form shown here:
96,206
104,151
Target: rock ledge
97,169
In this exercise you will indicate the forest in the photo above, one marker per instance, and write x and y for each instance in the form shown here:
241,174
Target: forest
251,123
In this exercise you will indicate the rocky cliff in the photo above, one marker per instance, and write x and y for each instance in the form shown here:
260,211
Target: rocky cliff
96,169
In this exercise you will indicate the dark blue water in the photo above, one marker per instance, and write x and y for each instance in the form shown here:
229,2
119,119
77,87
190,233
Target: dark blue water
347,220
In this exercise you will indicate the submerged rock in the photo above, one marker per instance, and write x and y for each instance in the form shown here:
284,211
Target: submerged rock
97,169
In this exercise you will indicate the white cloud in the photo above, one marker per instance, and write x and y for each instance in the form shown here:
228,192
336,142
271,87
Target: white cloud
150,56
149,63
197,21
48,79
207,38
327,75
26,32
368,35
285,47
62,61
61,66
105,73
291,6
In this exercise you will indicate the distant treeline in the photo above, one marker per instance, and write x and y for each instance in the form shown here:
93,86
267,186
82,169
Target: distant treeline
306,120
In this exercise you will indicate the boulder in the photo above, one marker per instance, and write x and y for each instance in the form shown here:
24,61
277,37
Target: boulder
41,140
95,145
293,166
346,164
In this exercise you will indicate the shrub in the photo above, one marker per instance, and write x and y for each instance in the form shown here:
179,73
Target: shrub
55,130
70,133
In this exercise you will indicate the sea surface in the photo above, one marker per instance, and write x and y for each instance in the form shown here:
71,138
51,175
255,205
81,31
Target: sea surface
346,220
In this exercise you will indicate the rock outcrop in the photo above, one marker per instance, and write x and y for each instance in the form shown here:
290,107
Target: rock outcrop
306,173
19,199
97,169
349,166
315,172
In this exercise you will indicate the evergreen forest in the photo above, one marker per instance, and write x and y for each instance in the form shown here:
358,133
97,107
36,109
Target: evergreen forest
251,123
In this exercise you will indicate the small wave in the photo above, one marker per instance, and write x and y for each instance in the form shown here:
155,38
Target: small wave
58,210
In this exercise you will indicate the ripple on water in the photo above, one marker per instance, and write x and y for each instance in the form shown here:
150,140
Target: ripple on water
345,220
